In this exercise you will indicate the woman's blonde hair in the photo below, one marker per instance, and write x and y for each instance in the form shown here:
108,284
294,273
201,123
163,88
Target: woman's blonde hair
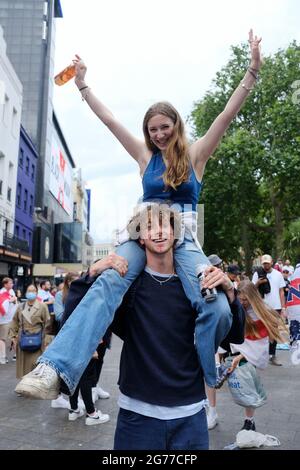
177,155
269,317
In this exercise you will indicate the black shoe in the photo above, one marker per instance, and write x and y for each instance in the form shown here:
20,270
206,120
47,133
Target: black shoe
249,425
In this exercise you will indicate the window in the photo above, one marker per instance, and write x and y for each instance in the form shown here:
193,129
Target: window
17,231
2,92
5,110
24,234
32,172
45,30
19,193
27,166
25,200
6,226
45,8
21,158
14,122
31,205
9,194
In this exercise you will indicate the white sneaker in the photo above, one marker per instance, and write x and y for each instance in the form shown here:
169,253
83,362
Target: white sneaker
99,418
60,402
102,393
74,414
2,361
42,383
212,419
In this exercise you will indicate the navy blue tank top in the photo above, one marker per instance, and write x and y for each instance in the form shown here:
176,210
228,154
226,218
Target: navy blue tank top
186,195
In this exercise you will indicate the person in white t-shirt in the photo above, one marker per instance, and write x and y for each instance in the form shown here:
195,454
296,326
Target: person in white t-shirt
8,305
290,267
45,295
275,298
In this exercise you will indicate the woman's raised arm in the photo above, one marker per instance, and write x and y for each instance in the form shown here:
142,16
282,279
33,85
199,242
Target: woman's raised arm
135,147
203,148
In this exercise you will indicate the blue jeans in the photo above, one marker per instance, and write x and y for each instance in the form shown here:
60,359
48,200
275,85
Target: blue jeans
72,349
138,432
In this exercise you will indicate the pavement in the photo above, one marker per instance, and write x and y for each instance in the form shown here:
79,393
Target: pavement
33,424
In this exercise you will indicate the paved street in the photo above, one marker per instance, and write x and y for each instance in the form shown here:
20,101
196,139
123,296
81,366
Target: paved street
28,424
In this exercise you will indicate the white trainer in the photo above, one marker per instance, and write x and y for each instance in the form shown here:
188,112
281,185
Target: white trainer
212,419
60,402
102,393
74,414
42,383
98,418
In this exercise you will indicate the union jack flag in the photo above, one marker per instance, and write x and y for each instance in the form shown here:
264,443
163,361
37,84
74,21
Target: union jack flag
4,302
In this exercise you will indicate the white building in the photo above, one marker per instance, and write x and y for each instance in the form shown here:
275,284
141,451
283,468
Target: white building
10,121
81,213
102,249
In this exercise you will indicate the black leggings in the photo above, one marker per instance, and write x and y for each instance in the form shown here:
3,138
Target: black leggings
85,387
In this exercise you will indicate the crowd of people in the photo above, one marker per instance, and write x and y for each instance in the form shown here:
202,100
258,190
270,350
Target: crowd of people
40,309
251,340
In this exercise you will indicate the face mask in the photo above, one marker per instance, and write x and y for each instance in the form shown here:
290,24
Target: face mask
30,296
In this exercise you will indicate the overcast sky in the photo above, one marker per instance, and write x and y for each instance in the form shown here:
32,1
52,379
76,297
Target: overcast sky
139,52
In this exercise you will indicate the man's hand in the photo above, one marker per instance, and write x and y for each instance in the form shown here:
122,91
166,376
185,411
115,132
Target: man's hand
113,261
215,277
263,280
256,58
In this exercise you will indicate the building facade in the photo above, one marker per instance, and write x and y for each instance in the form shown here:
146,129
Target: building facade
55,238
26,179
10,119
29,31
102,249
81,213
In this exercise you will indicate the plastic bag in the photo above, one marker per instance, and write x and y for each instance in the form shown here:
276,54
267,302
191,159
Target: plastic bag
255,439
295,353
245,386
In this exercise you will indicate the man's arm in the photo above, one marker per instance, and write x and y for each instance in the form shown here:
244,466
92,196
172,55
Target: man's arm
237,330
79,287
282,301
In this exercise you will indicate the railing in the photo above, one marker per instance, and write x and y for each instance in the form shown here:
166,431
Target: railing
11,241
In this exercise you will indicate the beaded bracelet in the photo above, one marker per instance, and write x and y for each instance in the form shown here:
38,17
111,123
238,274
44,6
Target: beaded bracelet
245,87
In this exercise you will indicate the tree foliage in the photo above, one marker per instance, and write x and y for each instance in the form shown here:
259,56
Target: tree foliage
251,183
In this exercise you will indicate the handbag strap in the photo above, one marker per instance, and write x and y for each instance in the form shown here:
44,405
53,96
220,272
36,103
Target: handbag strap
22,321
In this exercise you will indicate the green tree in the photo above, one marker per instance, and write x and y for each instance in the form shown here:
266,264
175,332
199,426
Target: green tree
251,183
